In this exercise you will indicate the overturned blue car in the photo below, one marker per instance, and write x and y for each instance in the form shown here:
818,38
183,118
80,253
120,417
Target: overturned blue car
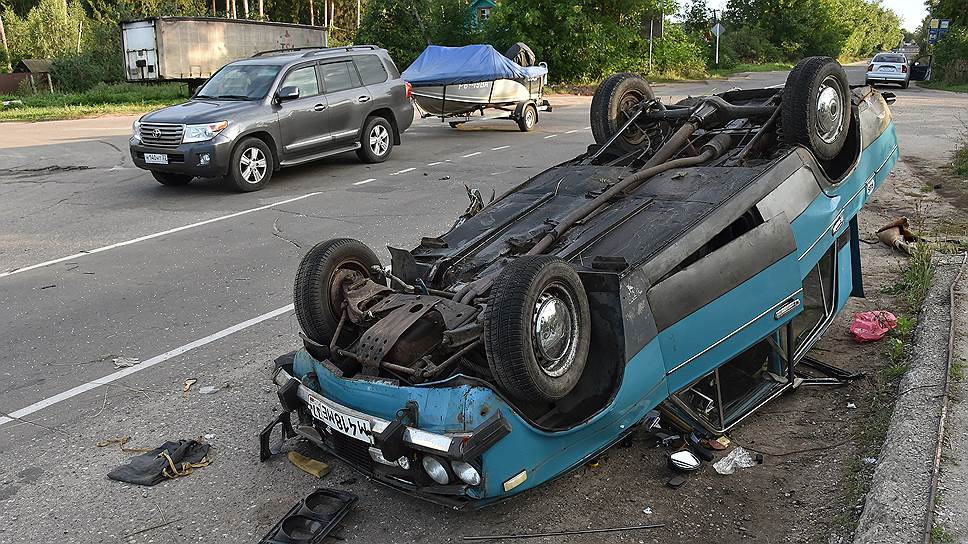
686,262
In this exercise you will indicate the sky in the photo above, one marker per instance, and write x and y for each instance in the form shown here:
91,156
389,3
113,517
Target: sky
910,11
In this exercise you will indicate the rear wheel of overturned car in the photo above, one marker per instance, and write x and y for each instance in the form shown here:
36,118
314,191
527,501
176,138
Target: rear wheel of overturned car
318,289
537,328
611,106
251,166
816,110
169,179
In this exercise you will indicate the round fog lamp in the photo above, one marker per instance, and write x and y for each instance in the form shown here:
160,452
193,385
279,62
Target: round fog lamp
466,472
404,463
435,469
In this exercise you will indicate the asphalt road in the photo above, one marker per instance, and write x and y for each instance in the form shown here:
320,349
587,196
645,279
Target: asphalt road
98,261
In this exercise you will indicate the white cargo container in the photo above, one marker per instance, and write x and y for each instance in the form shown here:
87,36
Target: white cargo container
192,48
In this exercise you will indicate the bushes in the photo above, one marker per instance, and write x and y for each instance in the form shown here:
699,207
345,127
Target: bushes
951,58
84,71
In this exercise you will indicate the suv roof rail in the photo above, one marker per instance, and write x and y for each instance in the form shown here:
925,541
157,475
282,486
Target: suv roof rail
284,51
319,50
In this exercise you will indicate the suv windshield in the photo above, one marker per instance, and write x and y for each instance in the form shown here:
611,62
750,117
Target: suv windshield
240,82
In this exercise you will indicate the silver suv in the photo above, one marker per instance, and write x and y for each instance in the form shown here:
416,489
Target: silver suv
276,109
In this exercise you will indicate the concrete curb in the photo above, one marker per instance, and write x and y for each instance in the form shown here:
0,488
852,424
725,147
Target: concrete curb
897,503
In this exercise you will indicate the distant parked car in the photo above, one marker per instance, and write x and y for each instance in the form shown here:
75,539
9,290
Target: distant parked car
277,109
895,68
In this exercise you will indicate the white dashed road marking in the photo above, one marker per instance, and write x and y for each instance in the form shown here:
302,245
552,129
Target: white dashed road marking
152,236
435,163
500,148
550,136
364,181
404,171
470,154
572,131
144,365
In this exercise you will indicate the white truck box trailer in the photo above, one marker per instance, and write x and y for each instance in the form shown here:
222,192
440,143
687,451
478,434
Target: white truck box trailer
192,48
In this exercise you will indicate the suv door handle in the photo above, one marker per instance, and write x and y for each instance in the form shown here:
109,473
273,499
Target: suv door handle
363,99
319,107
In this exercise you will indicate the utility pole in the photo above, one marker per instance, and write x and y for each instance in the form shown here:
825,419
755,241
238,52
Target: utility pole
312,14
717,30
245,8
262,9
358,10
6,50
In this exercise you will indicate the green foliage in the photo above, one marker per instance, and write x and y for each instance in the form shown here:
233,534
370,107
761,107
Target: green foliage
959,161
951,58
585,41
80,72
956,10
747,44
403,27
48,30
102,99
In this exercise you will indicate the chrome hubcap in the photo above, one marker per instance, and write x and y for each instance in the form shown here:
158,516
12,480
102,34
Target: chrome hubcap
555,330
830,108
253,165
529,117
379,140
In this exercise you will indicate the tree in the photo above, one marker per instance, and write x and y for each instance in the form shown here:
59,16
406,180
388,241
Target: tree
956,10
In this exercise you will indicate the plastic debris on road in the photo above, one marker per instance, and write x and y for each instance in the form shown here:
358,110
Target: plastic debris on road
738,458
208,390
871,326
125,362
308,464
897,235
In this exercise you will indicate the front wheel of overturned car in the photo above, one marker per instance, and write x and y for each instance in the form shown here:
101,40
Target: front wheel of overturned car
537,328
816,108
318,289
172,180
612,104
251,166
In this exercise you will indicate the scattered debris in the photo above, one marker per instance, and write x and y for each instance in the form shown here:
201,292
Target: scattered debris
208,389
208,436
562,533
444,178
738,458
647,510
169,461
684,461
897,235
719,444
870,460
188,384
120,441
676,481
125,362
313,518
871,326
851,405
48,286
308,464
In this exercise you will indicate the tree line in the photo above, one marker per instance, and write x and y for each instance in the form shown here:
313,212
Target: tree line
582,40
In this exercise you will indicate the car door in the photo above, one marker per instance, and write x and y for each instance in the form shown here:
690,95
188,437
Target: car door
302,120
346,97
921,68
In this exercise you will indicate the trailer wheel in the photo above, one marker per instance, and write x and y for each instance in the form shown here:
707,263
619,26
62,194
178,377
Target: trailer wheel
528,118
251,166
816,111
537,328
318,289
612,101
172,180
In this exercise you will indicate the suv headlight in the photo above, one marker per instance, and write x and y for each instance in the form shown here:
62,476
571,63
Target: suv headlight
136,130
203,133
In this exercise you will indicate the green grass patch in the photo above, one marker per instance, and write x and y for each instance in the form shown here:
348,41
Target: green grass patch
959,161
939,86
103,99
739,68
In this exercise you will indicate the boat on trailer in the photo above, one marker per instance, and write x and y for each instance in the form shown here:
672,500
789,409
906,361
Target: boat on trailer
460,84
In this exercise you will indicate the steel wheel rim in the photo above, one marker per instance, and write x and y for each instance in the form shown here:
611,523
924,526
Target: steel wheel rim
529,117
555,329
633,135
253,165
347,273
379,139
830,107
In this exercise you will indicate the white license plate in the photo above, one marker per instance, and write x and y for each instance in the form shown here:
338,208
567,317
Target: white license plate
156,158
351,426
887,69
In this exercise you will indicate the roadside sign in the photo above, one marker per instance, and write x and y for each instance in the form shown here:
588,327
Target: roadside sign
937,29
718,30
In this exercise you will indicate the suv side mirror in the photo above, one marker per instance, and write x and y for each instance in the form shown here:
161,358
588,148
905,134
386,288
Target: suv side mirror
287,93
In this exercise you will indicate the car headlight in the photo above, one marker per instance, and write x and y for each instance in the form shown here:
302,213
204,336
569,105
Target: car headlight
136,130
203,133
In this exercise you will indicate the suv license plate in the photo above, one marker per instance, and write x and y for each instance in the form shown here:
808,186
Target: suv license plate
351,426
156,158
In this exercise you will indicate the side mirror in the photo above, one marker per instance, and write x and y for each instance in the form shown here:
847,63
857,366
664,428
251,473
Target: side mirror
889,97
287,93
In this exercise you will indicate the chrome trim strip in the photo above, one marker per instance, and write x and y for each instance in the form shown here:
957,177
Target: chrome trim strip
785,300
863,187
787,308
437,442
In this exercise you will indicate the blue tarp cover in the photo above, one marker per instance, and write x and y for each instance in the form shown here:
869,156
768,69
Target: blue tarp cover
439,65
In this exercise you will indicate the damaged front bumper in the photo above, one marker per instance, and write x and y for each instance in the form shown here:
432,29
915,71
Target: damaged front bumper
392,452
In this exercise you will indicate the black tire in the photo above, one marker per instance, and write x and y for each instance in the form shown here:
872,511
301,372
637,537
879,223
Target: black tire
251,165
317,290
613,97
905,84
528,118
519,365
172,180
376,140
815,83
